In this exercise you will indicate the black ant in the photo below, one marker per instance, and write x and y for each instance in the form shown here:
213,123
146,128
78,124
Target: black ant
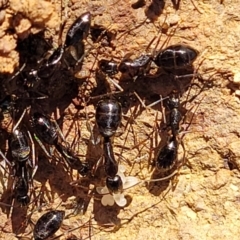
176,60
108,118
40,78
127,66
77,32
48,132
20,151
23,166
167,154
50,222
170,59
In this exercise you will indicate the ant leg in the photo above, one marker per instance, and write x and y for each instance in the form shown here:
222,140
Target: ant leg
42,146
184,158
196,7
186,129
139,99
34,164
15,75
42,96
85,53
206,84
64,6
150,105
106,95
192,75
73,229
165,43
195,95
90,127
5,159
100,162
110,80
163,178
163,112
20,119
133,28
59,131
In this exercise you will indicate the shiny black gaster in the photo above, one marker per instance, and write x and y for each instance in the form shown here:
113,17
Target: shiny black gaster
177,56
48,224
44,128
19,145
167,155
108,116
79,29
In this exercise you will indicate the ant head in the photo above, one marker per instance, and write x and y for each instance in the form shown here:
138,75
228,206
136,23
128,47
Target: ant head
109,67
16,133
85,168
114,184
23,200
38,119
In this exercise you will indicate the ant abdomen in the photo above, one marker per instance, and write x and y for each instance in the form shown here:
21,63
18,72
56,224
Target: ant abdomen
167,155
79,29
19,145
44,128
48,224
108,116
175,57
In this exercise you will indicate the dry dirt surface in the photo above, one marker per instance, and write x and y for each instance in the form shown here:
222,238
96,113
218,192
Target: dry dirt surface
202,200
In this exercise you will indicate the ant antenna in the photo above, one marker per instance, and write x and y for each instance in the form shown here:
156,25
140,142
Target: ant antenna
173,31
